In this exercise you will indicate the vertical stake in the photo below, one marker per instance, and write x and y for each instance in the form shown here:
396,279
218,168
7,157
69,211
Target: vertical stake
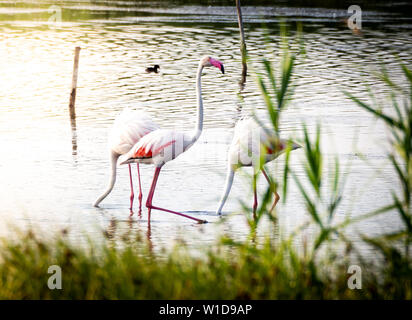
74,83
242,41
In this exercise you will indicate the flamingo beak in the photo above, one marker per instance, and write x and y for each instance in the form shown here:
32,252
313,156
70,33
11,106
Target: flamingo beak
296,146
124,159
123,162
217,64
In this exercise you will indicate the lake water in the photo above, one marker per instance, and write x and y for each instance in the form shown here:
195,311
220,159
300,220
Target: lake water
51,173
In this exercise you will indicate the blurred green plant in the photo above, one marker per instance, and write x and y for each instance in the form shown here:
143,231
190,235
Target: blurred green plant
279,89
395,247
277,92
130,272
322,201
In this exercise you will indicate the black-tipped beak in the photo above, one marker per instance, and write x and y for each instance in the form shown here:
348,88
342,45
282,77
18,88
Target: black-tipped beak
296,146
222,68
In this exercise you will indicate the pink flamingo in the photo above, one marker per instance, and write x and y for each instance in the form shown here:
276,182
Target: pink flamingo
162,145
246,133
129,127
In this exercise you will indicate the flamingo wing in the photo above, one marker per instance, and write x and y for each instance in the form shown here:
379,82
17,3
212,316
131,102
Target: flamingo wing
249,138
129,127
167,143
153,144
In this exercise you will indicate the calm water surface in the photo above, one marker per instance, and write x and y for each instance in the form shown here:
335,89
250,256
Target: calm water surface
51,173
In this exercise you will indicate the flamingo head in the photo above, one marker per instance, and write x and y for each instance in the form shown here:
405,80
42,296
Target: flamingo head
294,145
282,144
211,62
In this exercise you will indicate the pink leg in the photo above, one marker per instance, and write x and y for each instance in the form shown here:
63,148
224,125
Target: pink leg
277,197
150,198
140,189
132,193
151,191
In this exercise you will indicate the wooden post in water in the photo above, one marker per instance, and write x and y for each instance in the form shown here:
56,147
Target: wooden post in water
74,83
242,42
73,100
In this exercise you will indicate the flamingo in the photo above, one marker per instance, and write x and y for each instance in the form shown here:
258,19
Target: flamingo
238,155
162,145
128,128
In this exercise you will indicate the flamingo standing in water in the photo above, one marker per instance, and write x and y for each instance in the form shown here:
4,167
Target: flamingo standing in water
129,127
162,145
249,137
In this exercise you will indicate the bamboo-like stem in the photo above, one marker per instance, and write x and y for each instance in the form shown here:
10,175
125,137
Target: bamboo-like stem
242,41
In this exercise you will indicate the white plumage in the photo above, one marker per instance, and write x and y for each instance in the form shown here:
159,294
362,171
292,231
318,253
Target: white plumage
128,128
158,147
250,141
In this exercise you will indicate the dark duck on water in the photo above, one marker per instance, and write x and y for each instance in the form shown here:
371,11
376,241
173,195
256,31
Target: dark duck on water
154,69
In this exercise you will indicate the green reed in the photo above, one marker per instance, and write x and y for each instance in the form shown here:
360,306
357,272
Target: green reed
322,199
395,247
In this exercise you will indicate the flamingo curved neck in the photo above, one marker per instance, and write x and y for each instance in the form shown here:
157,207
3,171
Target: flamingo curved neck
228,185
199,124
113,159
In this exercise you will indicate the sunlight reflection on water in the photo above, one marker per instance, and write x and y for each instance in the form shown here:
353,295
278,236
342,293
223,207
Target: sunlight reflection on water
45,184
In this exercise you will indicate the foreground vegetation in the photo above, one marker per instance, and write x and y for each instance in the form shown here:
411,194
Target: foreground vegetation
244,272
133,273
272,269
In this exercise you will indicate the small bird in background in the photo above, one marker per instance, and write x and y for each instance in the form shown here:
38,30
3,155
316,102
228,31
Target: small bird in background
238,155
154,69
